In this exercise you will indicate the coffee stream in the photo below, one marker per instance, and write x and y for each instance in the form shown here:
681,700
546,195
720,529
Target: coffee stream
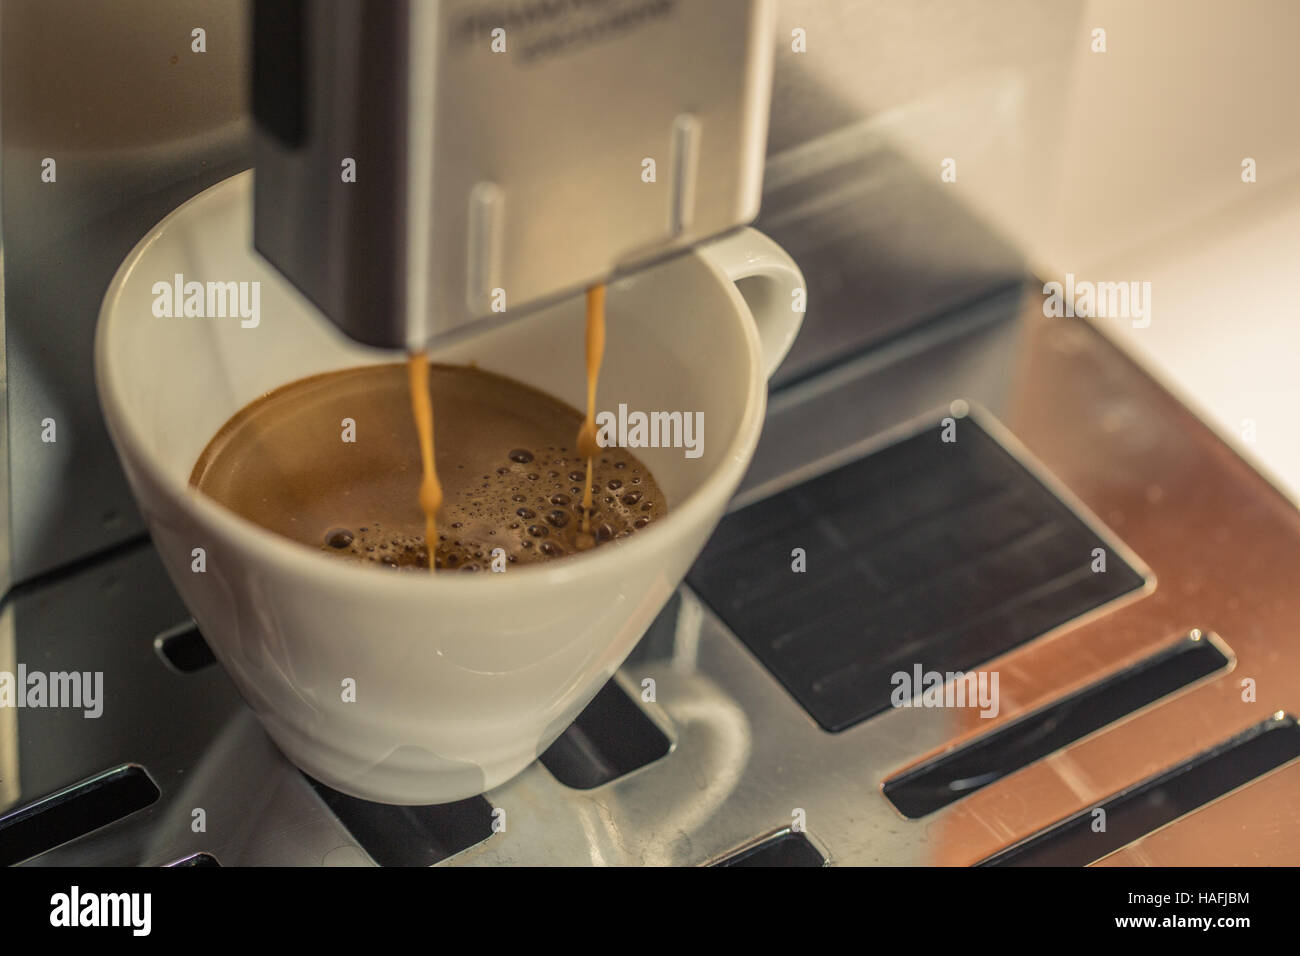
430,487
587,445
422,405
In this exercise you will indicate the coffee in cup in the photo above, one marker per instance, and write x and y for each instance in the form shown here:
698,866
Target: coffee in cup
332,461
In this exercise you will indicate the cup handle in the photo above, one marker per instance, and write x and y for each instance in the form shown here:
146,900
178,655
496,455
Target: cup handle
770,283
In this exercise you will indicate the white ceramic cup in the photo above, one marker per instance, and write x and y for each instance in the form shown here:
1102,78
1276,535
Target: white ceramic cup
460,680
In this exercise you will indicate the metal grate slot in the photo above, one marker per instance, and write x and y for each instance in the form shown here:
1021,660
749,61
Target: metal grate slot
74,812
610,738
410,836
960,772
785,849
945,554
1159,800
184,648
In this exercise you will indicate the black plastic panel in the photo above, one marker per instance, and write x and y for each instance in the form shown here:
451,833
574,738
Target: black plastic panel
279,69
944,554
410,836
788,849
610,738
1159,800
958,773
74,812
185,649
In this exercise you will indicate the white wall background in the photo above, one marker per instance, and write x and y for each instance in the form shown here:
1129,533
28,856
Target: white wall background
1122,165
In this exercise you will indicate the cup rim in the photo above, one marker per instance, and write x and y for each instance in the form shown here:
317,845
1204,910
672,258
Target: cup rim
267,547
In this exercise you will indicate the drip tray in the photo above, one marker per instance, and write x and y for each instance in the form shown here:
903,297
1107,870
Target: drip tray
702,750
941,550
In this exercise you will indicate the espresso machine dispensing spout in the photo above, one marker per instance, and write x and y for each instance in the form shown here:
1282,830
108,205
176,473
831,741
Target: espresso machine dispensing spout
422,165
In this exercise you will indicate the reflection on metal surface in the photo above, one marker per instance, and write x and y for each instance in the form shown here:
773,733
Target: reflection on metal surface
1220,541
962,771
1094,832
680,798
1258,825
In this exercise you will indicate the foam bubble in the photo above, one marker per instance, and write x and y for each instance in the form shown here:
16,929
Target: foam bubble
475,520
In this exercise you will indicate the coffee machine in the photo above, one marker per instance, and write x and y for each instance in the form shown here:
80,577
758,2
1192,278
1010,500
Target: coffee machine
1095,562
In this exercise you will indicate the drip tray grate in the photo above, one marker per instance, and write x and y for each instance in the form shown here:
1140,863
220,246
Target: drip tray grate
932,552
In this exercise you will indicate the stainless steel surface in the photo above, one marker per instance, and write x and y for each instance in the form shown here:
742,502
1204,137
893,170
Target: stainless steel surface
860,125
1218,541
1257,825
518,170
136,123
882,245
